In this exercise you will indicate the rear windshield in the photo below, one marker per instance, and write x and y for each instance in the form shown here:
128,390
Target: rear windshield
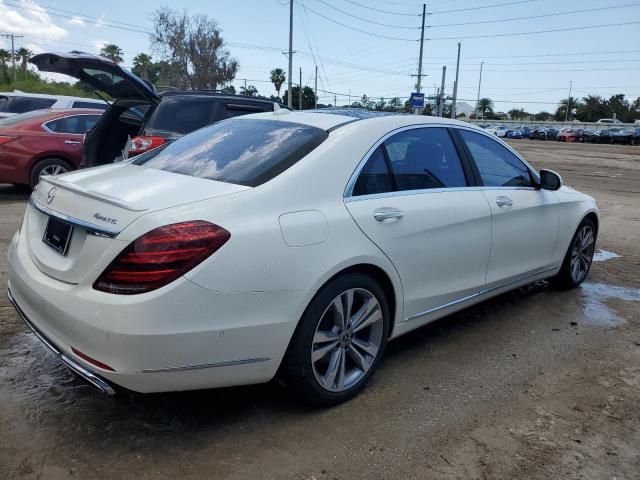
176,116
16,104
246,152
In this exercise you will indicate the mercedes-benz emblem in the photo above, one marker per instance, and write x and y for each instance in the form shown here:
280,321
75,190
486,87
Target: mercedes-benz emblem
51,194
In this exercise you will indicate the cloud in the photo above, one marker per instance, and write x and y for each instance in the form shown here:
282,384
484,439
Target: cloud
98,44
29,19
102,21
77,21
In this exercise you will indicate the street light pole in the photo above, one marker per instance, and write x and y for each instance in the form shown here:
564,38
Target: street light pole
315,100
300,91
479,85
419,83
289,96
13,36
566,117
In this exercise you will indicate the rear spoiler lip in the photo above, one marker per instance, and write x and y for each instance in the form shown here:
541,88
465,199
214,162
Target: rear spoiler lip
94,195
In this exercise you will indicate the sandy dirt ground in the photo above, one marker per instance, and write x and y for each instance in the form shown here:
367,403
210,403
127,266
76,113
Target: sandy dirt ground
534,384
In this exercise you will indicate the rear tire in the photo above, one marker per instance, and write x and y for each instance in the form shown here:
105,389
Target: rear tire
579,257
48,166
330,361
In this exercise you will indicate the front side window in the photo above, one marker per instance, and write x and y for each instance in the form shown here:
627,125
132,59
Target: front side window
245,152
498,167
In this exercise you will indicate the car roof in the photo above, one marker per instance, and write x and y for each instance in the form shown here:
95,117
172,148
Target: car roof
331,119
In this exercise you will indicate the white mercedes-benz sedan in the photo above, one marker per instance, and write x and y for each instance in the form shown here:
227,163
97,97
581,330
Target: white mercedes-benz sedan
285,243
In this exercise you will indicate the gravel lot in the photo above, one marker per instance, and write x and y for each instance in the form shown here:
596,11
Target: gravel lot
534,384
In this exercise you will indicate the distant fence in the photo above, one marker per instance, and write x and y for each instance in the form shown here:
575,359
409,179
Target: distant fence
573,124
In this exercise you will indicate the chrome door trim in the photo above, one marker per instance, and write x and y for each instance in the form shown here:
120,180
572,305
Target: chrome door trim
228,363
403,193
477,294
88,227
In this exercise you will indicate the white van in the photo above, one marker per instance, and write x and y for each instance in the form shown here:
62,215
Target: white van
13,103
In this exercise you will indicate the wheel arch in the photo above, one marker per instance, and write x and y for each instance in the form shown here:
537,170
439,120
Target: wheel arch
594,218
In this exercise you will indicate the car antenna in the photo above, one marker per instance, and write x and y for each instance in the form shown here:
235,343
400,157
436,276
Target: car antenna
97,94
278,110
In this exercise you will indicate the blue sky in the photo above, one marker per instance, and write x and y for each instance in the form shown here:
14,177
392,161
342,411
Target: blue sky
530,71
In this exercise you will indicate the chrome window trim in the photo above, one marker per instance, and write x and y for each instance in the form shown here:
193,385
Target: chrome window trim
348,192
45,127
89,227
479,294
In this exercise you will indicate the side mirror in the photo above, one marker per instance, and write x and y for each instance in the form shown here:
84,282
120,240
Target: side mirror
550,180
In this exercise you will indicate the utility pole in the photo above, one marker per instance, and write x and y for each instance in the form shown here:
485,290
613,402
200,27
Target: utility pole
455,86
441,102
245,85
419,83
479,84
315,100
300,91
566,117
289,99
335,101
13,36
349,97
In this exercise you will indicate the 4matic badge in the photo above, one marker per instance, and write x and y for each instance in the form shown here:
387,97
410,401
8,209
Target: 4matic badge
102,218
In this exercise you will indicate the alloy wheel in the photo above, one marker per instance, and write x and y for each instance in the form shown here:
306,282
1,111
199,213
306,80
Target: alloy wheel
582,253
347,339
53,170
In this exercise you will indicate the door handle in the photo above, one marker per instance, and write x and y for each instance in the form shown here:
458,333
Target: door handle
71,142
503,201
382,214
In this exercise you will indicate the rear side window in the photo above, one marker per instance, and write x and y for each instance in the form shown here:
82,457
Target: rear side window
245,152
100,106
416,159
497,165
423,158
176,116
374,177
76,124
15,104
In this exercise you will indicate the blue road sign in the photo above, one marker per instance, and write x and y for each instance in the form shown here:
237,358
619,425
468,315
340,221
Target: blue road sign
417,100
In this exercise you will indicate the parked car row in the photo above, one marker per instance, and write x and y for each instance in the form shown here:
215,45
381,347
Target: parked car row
615,135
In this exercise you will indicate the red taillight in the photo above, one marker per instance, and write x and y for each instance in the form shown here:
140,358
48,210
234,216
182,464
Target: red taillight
5,139
161,256
143,144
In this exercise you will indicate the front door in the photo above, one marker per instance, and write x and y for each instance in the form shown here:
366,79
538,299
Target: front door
524,218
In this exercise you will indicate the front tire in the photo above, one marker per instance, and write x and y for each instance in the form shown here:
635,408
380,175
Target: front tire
48,166
340,340
579,257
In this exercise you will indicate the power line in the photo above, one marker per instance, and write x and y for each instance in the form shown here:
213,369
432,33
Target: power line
569,29
377,35
481,7
544,15
382,11
364,19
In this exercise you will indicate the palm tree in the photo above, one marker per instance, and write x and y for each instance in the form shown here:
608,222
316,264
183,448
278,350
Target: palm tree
277,78
22,55
112,52
142,64
249,91
485,105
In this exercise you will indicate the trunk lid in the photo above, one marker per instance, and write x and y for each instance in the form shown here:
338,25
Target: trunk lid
99,72
99,203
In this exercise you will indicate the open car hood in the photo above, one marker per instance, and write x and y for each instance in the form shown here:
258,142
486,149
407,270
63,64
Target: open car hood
99,72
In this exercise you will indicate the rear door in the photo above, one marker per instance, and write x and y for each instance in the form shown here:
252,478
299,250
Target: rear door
524,217
411,198
70,131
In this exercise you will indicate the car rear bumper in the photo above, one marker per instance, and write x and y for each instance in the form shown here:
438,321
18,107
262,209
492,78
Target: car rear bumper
180,337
